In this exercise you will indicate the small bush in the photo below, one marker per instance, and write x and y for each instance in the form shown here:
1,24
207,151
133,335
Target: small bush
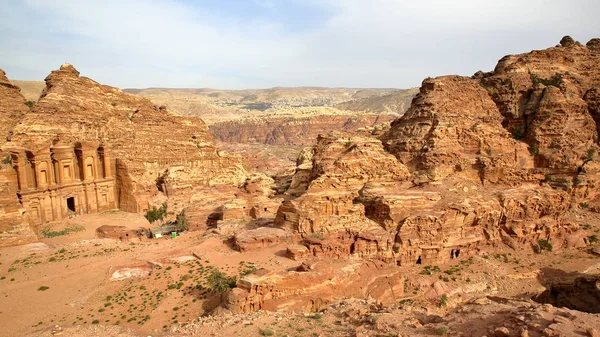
157,214
593,238
181,222
545,245
584,205
47,231
518,134
442,330
534,149
444,300
30,104
266,332
555,80
317,236
219,282
7,160
590,153
43,288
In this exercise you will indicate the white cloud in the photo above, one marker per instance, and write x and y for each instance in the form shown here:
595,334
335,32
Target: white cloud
376,43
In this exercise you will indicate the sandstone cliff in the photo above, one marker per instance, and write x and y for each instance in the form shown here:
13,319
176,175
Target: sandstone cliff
499,158
146,142
13,226
453,126
150,153
290,130
12,106
395,102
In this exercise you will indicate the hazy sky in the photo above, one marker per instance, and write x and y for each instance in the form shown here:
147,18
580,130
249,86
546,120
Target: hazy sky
263,43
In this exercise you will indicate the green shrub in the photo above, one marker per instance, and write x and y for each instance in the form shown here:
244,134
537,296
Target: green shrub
317,236
181,222
593,238
157,214
444,300
7,160
219,282
442,330
555,80
518,134
30,104
43,288
266,332
534,149
590,153
47,231
584,205
545,245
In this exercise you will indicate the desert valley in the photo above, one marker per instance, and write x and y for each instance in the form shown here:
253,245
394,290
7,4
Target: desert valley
467,207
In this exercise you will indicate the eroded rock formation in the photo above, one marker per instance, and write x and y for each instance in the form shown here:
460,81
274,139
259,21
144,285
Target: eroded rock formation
144,141
287,130
497,159
144,153
14,228
317,288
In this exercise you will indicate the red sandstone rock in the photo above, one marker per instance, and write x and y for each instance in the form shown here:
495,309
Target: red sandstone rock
453,127
292,130
259,238
313,290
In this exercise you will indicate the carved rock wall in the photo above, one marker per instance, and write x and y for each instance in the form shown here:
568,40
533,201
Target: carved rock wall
145,141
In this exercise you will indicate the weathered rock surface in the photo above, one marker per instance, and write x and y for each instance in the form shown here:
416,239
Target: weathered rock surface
289,130
315,289
396,102
144,142
580,293
549,100
13,226
12,107
453,127
259,238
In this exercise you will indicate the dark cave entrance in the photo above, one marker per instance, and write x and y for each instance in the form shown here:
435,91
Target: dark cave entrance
71,204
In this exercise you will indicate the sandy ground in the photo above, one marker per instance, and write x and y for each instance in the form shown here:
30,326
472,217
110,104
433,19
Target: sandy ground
70,281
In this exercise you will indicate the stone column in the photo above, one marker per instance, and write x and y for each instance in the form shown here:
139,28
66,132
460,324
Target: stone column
36,177
50,173
106,162
95,166
61,172
53,204
21,174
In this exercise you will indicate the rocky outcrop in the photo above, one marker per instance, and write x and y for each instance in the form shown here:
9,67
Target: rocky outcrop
396,102
289,130
548,100
259,238
12,107
454,127
13,226
339,167
461,180
144,142
580,293
316,288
